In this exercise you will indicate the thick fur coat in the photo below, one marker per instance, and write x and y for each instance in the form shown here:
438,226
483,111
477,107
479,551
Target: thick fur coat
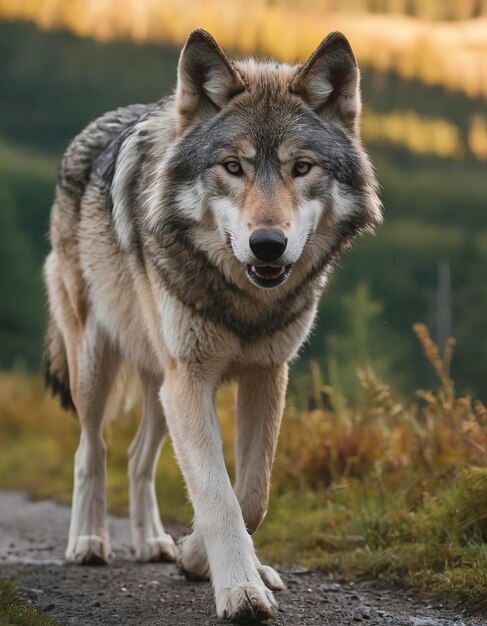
192,238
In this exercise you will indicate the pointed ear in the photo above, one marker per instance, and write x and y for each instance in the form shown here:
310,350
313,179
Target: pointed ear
329,82
207,80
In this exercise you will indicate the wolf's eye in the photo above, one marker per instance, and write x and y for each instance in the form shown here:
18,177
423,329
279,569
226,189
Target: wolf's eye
301,168
233,167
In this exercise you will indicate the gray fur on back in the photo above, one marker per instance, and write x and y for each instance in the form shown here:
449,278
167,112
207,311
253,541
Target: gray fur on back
94,151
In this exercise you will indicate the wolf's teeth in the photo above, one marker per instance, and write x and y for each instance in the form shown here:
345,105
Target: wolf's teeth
268,271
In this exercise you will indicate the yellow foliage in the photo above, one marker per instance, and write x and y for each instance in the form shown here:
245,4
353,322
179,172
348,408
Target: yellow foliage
417,134
448,53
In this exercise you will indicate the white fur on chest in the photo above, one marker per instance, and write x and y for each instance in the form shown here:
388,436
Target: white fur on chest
282,346
188,335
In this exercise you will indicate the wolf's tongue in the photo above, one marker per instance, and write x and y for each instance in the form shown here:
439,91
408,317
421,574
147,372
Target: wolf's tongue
268,272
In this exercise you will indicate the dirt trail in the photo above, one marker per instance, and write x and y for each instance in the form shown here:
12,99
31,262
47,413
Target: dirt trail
32,540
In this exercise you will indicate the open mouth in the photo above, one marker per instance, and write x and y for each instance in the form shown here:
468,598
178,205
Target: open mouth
268,275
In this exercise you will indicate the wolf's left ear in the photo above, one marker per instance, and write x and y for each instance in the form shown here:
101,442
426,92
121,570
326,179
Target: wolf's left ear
329,82
207,80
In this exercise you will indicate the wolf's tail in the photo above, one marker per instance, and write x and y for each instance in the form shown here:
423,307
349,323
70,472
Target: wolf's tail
56,371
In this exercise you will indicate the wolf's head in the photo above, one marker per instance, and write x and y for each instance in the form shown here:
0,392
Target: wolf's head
268,162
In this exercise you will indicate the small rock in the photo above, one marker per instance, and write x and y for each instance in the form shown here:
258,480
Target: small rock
300,571
365,612
331,587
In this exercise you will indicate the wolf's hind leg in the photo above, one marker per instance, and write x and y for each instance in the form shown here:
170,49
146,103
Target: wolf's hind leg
260,404
96,366
151,542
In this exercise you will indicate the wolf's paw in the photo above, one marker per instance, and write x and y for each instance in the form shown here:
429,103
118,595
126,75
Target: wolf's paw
271,578
157,549
248,602
193,561
88,550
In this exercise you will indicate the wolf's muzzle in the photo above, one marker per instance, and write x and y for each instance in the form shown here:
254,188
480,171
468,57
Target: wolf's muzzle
267,245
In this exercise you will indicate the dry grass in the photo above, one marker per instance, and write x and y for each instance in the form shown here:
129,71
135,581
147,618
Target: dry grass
389,490
433,436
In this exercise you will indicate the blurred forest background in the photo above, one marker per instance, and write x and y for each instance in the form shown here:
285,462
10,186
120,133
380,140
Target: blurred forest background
424,80
376,476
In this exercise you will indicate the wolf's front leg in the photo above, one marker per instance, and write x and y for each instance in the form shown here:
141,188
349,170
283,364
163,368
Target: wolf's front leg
188,403
260,404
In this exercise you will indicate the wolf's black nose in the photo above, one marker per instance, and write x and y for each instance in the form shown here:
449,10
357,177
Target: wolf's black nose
267,245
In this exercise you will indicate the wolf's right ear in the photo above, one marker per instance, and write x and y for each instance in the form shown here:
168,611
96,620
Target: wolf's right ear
207,80
329,82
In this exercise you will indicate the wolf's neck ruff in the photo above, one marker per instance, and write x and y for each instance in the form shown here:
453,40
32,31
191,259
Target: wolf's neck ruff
150,186
201,286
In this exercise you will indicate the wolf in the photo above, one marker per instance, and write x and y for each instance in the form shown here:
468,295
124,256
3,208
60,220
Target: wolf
192,239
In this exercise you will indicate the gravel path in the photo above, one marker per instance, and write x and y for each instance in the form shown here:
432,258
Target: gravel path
32,541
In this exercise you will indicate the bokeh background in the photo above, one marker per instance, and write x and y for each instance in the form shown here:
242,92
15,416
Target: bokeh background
424,81
381,470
